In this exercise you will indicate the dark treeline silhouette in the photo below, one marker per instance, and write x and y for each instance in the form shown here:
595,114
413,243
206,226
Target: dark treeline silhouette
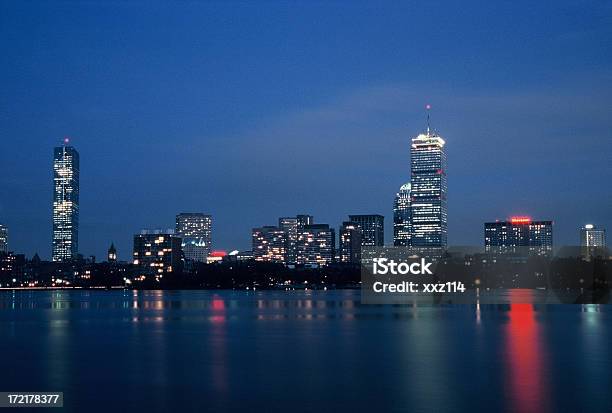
264,275
475,271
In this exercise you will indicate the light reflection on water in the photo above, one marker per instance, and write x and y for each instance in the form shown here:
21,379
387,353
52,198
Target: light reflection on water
525,361
303,351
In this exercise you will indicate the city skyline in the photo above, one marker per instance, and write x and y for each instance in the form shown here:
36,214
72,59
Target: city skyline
267,118
195,229
189,221
306,205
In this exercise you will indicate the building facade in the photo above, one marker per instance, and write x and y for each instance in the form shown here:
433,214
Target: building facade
402,218
592,241
316,245
65,203
157,253
195,230
304,219
372,229
591,236
350,243
290,225
3,238
269,244
517,233
428,191
8,269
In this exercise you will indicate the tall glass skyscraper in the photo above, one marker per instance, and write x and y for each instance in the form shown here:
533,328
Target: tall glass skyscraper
428,191
195,230
402,221
65,202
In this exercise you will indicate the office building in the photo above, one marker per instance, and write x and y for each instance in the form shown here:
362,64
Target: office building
157,252
519,234
239,256
8,264
350,243
591,236
315,245
290,225
372,229
402,220
592,241
195,230
304,220
65,203
246,255
3,238
428,191
269,244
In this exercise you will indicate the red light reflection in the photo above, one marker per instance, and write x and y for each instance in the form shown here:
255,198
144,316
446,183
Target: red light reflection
525,361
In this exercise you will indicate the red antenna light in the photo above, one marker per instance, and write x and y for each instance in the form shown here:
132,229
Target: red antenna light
66,140
428,106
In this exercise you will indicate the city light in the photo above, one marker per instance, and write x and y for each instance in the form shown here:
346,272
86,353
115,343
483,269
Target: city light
520,220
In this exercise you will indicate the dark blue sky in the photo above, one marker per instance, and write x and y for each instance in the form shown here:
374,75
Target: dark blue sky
254,110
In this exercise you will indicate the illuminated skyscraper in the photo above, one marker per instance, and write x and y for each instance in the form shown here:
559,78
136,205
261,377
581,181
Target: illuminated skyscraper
350,242
3,238
402,222
428,190
65,202
372,229
195,230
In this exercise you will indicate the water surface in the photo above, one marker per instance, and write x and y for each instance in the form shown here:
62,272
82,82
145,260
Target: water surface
302,351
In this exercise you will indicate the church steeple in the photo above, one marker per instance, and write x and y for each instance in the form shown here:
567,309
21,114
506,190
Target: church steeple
112,253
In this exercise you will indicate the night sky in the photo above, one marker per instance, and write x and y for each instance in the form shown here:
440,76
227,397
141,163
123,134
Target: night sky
250,111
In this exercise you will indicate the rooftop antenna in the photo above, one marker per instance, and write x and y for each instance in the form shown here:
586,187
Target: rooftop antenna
428,108
66,140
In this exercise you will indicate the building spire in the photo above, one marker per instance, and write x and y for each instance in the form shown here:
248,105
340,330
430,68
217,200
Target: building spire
428,108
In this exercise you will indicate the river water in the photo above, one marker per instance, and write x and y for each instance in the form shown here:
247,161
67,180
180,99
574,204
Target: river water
302,351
